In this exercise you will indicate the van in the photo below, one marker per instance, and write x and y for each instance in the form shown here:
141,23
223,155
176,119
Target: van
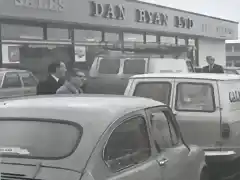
207,108
109,73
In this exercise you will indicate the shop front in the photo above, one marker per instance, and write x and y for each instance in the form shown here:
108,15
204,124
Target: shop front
37,32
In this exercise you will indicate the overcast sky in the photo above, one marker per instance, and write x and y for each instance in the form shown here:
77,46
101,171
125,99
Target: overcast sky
227,9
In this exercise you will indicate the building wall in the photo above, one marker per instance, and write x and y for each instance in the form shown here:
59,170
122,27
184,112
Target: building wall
212,47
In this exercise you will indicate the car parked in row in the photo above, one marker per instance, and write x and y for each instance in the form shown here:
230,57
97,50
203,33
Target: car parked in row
94,137
207,108
15,83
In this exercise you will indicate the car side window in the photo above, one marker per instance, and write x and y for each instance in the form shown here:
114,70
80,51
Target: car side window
163,131
195,97
128,144
11,80
28,79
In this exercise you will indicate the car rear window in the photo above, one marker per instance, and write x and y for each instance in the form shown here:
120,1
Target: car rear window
134,66
158,91
38,139
109,66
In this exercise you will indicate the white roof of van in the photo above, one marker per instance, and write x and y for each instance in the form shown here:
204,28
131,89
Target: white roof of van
209,76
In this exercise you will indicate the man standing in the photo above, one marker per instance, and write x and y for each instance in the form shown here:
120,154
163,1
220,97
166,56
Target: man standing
212,67
55,79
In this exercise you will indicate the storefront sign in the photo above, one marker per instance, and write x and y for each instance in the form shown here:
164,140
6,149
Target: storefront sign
181,22
108,11
52,5
151,17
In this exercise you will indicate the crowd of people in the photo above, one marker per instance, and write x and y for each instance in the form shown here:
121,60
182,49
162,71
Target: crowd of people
60,81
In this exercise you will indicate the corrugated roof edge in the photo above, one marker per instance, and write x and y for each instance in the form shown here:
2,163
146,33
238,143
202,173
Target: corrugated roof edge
157,5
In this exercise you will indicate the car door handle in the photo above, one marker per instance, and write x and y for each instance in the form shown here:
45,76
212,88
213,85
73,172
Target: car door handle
163,162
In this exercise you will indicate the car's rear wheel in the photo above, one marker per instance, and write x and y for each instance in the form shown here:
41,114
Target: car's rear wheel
205,174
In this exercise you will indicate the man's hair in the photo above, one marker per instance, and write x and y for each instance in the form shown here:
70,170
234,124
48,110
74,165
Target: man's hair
53,67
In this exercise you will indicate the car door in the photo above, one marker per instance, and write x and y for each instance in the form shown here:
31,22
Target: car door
197,112
12,86
128,151
29,83
171,153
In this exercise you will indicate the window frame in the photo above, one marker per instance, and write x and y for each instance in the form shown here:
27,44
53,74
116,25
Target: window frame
5,76
151,82
191,110
59,121
119,123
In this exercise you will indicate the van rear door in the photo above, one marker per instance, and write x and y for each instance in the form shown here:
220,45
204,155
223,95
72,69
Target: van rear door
197,111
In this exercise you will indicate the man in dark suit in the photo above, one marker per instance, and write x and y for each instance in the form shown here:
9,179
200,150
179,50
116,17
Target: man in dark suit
55,79
212,67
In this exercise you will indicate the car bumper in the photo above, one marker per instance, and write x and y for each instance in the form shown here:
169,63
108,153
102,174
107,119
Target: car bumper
220,156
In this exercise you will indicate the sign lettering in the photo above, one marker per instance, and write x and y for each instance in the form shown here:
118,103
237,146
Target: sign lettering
181,22
107,11
234,96
149,17
52,5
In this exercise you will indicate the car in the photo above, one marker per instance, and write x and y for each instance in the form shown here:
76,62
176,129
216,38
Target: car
207,108
109,73
17,83
232,70
94,137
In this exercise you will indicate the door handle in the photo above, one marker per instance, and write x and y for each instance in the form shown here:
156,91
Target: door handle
163,162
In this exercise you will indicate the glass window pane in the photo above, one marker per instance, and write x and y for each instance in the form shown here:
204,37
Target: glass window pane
167,40
87,35
195,97
111,37
10,31
128,144
57,34
151,38
11,80
134,66
181,41
191,42
159,91
28,79
128,37
109,66
40,139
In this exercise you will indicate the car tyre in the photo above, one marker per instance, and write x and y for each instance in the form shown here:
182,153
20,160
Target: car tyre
205,174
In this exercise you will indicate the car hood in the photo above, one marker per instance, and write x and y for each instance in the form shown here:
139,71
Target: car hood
35,170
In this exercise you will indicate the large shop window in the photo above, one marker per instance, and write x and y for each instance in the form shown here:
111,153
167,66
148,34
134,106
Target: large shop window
34,58
167,40
128,37
87,36
16,32
151,38
57,34
111,37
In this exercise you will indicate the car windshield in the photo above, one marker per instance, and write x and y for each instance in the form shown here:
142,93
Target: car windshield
38,139
159,91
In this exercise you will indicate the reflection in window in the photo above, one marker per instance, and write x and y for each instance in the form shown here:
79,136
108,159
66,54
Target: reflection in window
181,41
109,66
10,31
128,144
134,66
128,37
194,97
159,91
57,34
87,35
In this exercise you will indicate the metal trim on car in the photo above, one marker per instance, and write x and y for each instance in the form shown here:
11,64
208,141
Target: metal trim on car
219,153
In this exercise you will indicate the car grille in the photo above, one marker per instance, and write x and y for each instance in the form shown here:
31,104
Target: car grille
13,176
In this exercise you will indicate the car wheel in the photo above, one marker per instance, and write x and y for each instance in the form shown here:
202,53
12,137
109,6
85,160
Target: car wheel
204,174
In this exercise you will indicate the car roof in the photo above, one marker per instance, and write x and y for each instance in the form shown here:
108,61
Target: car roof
12,70
105,107
203,76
